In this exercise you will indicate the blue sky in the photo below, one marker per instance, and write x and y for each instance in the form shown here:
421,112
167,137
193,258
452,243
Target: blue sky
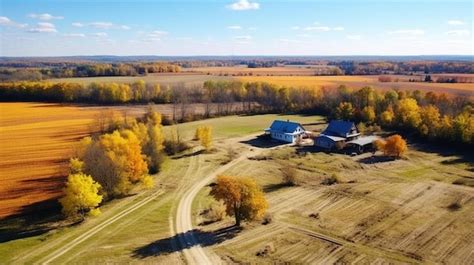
235,27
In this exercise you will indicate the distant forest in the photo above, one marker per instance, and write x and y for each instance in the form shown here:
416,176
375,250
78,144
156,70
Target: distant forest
35,69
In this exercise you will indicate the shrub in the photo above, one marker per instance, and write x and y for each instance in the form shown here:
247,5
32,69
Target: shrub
333,179
267,219
454,206
290,175
216,212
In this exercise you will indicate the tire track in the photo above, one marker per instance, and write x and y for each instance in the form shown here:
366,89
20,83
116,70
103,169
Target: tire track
61,251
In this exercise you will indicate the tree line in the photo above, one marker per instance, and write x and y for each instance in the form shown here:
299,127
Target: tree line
432,115
85,70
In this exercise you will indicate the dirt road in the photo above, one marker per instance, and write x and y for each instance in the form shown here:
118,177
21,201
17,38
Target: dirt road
192,250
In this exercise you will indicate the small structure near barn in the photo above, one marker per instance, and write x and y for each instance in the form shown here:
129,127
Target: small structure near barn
337,132
362,144
344,135
286,131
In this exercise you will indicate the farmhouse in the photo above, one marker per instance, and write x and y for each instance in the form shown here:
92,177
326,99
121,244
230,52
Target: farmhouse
286,131
337,132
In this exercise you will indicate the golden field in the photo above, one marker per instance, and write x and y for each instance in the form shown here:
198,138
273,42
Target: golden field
36,141
318,82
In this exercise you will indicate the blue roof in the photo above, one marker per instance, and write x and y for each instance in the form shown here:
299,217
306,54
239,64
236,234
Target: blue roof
284,126
338,127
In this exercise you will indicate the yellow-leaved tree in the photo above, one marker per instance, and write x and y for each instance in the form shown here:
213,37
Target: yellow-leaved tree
242,197
345,111
81,196
204,135
116,162
408,112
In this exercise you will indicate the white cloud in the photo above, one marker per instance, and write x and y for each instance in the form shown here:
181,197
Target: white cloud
408,32
242,38
43,27
455,22
100,34
44,16
74,35
124,27
235,27
77,25
244,5
459,33
289,41
156,35
4,21
354,37
317,28
101,25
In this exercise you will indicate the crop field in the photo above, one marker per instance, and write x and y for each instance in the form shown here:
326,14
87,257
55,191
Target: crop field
151,224
405,211
36,141
187,79
261,71
317,82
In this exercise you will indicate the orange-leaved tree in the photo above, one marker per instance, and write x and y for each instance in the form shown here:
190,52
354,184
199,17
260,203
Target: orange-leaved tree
394,145
242,197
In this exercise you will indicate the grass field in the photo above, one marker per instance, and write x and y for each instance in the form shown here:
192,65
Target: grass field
284,76
149,224
317,82
263,71
187,79
390,212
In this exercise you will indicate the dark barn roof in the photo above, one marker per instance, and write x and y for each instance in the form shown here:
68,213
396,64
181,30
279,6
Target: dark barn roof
339,128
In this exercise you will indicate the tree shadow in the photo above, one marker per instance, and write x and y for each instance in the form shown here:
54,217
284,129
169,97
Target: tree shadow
375,159
195,153
275,186
264,141
182,241
32,220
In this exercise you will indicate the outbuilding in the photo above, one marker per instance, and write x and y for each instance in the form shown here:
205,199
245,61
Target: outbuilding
338,131
285,131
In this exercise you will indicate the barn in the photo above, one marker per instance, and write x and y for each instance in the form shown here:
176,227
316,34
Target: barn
285,131
337,132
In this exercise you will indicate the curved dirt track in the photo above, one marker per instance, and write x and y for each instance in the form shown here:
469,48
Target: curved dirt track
192,250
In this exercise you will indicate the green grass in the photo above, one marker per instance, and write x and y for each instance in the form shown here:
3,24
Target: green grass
162,79
238,126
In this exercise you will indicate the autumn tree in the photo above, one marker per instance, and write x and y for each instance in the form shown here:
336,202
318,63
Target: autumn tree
430,121
368,114
204,135
115,161
81,196
386,117
345,111
242,197
408,113
394,145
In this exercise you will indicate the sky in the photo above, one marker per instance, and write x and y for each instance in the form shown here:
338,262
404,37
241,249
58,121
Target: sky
235,27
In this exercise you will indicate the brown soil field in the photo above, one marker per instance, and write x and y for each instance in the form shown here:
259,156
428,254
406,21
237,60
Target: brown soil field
260,71
317,82
36,140
387,212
